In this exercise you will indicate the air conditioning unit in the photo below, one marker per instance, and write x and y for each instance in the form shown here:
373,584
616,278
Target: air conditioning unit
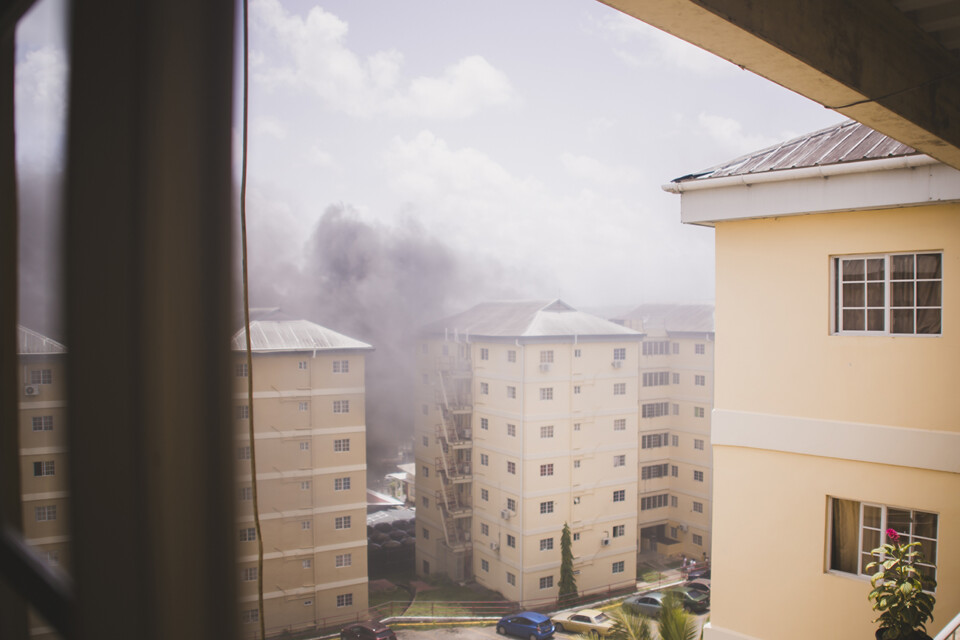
544,366
495,546
31,390
605,541
505,514
684,528
617,364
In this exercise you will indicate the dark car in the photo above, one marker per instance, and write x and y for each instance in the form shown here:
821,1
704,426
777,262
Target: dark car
693,600
526,624
700,584
648,604
367,631
699,572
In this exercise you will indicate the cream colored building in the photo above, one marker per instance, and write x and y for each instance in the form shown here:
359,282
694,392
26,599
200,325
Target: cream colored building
527,420
310,435
675,490
44,483
837,362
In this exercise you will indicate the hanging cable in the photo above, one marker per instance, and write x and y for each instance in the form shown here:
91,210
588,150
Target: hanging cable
246,324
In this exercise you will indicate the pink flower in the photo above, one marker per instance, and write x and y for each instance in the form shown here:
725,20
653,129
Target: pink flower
893,535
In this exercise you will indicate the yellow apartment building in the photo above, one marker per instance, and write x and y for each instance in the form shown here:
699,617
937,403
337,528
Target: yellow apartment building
837,361
675,489
44,484
310,438
527,420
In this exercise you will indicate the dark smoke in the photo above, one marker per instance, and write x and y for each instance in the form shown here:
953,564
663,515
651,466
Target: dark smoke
40,260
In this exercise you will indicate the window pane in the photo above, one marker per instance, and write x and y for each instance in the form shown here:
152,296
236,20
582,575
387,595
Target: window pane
928,572
928,294
925,524
875,269
928,320
875,294
852,270
902,267
902,321
871,517
853,295
871,540
853,320
901,294
843,541
929,549
928,265
899,520
875,320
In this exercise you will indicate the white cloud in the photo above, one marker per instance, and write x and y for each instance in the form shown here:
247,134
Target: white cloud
729,133
591,169
317,59
319,157
41,88
267,126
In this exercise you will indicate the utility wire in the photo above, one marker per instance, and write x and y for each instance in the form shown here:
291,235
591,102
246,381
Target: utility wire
246,323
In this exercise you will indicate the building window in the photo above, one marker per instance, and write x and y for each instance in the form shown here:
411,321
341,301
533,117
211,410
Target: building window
576,536
484,424
698,444
698,476
654,471
484,354
546,469
484,459
249,574
546,357
341,522
484,529
341,445
341,366
248,534
546,544
620,424
620,460
858,527
619,530
45,468
576,464
676,348
511,356
511,392
484,566
306,563
698,539
659,348
512,430
484,388
42,423
576,426
243,453
676,409
341,406
675,471
304,445
881,294
512,504
673,533
546,507
512,467
576,389
674,502
250,616
243,412
546,431
675,378
307,603
618,566
620,389
654,409
246,493
576,353
654,502
699,349
41,376
425,440
303,406
305,485
484,495
426,533
653,440
511,579
700,381
546,393
302,364
425,501
576,499
345,600
46,512
698,507
546,583
341,484
675,440
657,378
306,525
698,412
511,541
620,495
619,354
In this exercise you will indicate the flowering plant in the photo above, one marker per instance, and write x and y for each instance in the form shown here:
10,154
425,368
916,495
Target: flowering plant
898,590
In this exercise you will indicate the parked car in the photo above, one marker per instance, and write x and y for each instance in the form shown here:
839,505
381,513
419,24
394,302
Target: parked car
591,621
699,572
693,600
367,631
648,604
526,624
700,584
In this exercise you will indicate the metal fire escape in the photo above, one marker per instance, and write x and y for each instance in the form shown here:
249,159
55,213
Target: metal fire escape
455,437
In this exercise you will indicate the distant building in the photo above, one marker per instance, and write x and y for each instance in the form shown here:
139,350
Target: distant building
402,484
527,419
309,416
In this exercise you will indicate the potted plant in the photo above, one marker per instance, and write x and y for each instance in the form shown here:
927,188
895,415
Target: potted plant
898,590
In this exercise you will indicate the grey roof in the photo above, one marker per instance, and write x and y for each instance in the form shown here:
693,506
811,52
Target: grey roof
846,142
31,342
276,332
674,318
526,319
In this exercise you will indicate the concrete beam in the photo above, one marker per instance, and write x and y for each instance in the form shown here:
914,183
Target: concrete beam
861,58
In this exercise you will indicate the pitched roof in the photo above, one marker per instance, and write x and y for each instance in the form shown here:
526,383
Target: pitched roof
31,342
526,319
674,318
276,332
846,142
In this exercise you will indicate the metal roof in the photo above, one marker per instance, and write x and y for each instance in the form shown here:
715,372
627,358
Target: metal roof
278,333
674,318
846,142
526,319
31,342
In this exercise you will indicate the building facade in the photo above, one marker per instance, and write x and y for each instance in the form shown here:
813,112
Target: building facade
310,449
836,361
675,489
527,420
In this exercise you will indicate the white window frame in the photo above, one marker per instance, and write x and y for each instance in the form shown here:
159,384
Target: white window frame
620,460
618,567
511,467
546,544
546,582
341,445
620,424
546,393
546,507
512,430
341,484
344,600
511,392
620,388
620,353
546,469
546,431
342,522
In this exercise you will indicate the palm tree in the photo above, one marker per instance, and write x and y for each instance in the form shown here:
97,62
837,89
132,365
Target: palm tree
629,626
675,622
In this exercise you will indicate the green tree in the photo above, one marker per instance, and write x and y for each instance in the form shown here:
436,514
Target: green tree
629,626
675,622
568,583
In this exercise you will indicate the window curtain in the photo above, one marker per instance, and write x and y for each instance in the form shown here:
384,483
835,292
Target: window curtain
843,538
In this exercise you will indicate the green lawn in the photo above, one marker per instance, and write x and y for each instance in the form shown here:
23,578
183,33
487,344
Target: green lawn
455,600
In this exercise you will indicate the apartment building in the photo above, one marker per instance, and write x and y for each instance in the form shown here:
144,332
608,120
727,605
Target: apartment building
44,483
527,420
837,363
675,490
310,438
